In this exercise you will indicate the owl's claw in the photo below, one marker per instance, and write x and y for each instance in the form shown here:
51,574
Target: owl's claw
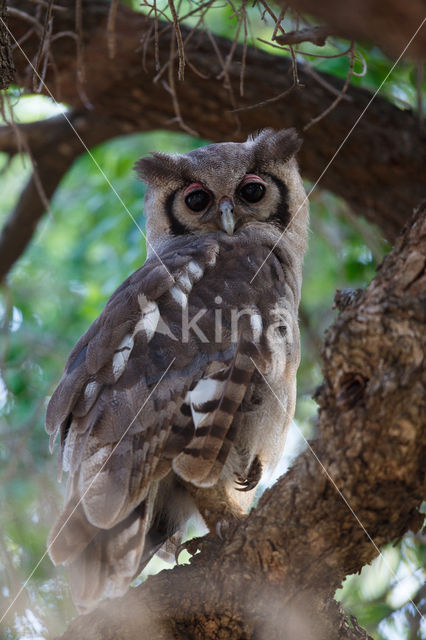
245,484
195,544
252,478
191,546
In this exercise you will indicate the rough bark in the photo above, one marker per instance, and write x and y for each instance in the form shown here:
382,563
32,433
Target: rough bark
386,148
274,575
389,25
7,69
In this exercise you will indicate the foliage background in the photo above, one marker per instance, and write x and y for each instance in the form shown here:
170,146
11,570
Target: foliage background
83,249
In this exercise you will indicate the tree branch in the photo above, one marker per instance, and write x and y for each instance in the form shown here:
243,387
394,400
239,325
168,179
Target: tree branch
316,35
385,148
389,26
357,488
53,146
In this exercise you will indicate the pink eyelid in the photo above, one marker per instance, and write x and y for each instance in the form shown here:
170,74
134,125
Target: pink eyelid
251,177
193,187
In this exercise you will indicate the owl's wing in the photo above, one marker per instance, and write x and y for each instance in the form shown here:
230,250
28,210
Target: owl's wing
123,383
138,396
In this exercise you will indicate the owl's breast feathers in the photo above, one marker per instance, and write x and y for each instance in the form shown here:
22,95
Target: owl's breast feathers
156,381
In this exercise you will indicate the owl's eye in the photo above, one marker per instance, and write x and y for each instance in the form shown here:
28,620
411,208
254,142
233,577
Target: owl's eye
252,188
196,197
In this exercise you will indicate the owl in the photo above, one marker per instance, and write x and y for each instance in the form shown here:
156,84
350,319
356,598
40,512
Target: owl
177,399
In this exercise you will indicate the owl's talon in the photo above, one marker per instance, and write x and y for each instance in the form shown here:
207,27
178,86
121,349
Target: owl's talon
195,544
245,485
252,478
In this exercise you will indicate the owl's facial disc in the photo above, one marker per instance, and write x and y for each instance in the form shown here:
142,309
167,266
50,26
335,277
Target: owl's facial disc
224,203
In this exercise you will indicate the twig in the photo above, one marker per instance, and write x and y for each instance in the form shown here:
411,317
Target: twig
156,41
64,34
226,80
244,56
172,90
80,48
197,72
181,51
23,39
203,8
145,40
325,84
25,16
236,12
317,35
269,100
38,77
278,21
296,82
294,67
292,53
358,56
81,75
339,97
305,53
23,145
185,42
230,55
200,7
112,14
42,137
159,12
159,32
46,56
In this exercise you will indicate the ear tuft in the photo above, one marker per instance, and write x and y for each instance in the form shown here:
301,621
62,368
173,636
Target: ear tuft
276,145
160,169
155,169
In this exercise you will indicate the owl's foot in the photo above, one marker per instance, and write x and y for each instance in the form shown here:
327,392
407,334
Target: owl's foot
225,528
252,477
197,544
222,530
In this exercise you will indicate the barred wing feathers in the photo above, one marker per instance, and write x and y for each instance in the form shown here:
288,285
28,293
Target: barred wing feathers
137,399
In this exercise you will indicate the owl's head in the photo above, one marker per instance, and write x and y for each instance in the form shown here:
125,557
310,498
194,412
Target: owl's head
223,187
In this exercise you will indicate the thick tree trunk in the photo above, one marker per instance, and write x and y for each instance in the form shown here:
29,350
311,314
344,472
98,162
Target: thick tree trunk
378,170
357,487
7,69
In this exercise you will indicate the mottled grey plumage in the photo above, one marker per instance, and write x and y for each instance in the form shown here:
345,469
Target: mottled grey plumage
160,419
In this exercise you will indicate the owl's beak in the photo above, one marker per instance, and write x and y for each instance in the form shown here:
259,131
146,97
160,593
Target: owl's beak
227,220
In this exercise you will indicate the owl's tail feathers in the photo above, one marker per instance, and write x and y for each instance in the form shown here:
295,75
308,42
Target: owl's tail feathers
70,534
163,539
101,562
